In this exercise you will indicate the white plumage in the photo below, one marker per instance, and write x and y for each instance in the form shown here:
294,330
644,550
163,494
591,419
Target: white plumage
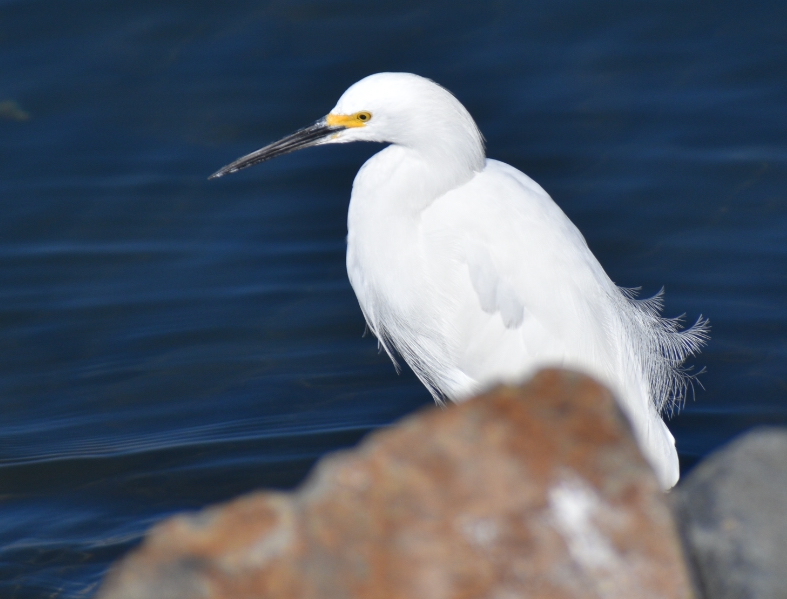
466,268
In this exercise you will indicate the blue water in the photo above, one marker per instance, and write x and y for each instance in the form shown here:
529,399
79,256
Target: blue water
167,342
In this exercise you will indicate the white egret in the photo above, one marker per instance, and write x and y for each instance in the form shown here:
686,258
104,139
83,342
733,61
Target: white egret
467,269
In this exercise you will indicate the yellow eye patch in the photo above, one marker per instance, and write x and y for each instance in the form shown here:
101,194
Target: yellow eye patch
359,119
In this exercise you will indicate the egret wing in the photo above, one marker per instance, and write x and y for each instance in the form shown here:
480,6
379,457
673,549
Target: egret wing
526,291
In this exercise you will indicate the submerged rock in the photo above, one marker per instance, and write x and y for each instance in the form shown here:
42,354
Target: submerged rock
531,492
733,514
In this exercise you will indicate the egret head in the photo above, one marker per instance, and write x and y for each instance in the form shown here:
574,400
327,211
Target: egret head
398,108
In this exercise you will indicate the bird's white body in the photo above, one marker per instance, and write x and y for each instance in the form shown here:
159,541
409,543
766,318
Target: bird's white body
467,269
488,283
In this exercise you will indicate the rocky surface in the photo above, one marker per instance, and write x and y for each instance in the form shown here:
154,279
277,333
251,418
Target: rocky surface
531,492
733,514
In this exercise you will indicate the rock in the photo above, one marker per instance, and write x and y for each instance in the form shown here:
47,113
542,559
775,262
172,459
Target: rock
531,492
732,510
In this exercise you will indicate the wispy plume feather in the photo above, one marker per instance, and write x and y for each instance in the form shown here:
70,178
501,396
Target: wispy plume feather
663,347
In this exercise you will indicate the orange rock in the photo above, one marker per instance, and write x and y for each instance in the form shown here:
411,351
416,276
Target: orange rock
538,491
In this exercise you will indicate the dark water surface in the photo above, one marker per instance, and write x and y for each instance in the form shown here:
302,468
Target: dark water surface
166,342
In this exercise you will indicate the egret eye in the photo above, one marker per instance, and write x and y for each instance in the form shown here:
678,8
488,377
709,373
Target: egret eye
364,116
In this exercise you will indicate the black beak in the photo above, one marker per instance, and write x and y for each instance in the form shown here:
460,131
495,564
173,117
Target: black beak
303,138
